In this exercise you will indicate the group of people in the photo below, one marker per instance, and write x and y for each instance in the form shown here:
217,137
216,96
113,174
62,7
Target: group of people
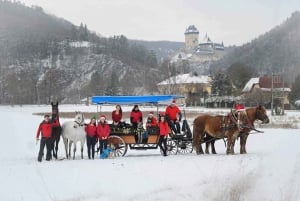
167,120
170,119
95,132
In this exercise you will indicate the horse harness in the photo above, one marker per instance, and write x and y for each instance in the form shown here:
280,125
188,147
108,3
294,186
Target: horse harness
77,123
231,121
228,122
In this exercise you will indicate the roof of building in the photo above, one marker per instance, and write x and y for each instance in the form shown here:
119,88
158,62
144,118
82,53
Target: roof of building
206,40
265,83
186,79
191,30
250,83
219,46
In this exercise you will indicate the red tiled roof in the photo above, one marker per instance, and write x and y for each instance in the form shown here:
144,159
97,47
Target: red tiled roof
266,82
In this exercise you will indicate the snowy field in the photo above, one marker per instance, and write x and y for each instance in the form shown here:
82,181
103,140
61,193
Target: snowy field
269,172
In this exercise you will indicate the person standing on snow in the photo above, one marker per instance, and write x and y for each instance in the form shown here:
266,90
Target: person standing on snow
163,134
45,129
103,132
91,137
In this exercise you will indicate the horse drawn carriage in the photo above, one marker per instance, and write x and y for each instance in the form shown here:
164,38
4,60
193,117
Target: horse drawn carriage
124,136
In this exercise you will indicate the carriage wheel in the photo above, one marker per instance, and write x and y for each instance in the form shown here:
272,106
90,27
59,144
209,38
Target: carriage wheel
185,147
171,146
118,146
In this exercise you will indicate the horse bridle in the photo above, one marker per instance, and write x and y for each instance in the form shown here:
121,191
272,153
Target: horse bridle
260,115
81,122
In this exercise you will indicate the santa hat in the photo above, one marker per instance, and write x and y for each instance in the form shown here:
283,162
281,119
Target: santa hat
102,117
239,107
162,114
151,113
174,101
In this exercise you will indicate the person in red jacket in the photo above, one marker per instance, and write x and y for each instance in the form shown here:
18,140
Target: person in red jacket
45,129
103,132
163,133
116,115
91,137
151,121
136,116
174,117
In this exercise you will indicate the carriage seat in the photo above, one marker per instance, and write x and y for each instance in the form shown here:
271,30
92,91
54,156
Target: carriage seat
178,136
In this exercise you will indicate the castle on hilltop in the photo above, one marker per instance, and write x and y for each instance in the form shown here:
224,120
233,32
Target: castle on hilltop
206,46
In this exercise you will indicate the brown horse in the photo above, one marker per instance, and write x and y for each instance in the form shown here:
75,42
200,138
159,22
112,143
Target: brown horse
253,114
218,127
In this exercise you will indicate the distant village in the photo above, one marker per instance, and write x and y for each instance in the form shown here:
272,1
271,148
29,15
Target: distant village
197,88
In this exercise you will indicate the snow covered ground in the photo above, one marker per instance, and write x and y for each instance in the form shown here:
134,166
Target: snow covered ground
270,170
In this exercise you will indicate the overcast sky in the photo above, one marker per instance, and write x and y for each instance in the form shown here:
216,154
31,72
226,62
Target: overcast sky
234,22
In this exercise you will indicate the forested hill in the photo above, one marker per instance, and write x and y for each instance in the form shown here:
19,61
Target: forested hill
43,57
162,49
277,51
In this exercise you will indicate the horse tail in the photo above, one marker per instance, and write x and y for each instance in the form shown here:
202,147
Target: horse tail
198,130
195,133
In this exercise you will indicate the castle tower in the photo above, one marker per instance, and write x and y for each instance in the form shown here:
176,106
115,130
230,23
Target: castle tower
191,38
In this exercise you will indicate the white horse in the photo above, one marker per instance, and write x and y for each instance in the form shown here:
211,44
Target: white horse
72,132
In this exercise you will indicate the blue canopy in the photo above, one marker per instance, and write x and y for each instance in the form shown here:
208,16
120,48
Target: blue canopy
153,99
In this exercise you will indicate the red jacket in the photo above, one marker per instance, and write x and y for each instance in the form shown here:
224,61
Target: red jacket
91,130
164,128
151,122
116,117
46,129
136,116
172,112
103,131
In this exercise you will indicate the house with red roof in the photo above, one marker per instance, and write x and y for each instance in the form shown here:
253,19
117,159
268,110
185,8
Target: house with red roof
261,90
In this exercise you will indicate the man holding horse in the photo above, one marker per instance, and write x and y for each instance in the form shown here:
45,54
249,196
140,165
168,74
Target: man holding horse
45,128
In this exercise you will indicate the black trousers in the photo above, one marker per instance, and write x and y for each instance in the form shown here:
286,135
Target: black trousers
103,145
90,142
162,143
47,142
175,126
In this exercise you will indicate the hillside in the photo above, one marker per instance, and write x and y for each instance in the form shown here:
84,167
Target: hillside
43,57
162,49
276,51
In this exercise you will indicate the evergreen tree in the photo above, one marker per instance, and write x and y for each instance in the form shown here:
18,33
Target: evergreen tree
240,74
222,85
95,86
295,91
112,88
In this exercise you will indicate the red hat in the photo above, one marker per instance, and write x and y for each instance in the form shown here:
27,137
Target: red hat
174,101
103,117
162,114
151,113
239,107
